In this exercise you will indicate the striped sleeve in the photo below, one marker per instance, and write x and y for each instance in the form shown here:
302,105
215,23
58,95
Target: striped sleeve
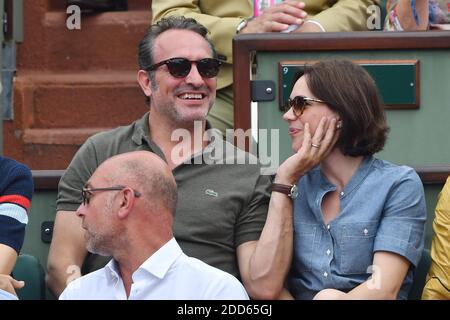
16,189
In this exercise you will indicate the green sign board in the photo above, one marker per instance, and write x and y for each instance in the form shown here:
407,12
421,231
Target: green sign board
397,81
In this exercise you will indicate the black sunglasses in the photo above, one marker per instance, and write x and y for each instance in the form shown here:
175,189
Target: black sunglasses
299,104
87,193
180,67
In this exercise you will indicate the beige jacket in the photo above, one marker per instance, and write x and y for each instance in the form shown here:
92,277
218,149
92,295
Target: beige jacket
221,17
438,279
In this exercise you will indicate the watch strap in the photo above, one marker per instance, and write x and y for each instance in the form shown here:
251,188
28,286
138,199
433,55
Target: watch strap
283,188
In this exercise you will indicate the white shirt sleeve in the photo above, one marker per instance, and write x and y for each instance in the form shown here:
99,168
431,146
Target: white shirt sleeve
316,23
4,295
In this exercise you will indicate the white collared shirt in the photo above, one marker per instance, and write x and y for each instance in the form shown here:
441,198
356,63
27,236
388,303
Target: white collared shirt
167,274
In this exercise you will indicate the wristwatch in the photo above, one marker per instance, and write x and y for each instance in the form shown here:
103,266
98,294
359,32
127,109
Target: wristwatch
290,190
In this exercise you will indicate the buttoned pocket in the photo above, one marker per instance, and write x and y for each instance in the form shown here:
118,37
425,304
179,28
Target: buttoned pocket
304,237
356,244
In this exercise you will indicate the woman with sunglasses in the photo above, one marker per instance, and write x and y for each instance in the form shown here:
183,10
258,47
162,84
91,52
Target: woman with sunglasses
358,221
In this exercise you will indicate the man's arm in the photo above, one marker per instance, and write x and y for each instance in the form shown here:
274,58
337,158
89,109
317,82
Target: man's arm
67,251
264,264
8,258
389,271
345,15
222,29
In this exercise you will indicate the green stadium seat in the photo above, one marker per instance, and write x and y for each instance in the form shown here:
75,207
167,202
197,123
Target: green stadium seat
420,276
29,269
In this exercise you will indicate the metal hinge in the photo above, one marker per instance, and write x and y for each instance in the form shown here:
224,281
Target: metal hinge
263,90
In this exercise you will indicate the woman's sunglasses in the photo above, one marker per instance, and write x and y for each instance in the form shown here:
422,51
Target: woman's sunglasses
299,104
180,67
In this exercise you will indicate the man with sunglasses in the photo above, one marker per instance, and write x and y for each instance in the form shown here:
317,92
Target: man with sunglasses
223,216
127,212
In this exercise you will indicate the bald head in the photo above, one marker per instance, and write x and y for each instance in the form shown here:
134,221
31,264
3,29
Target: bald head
146,173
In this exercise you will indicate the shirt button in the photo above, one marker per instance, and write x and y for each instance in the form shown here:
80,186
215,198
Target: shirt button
342,193
325,274
366,232
328,227
328,252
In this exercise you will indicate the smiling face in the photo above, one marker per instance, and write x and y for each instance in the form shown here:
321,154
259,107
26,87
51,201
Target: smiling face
312,114
181,100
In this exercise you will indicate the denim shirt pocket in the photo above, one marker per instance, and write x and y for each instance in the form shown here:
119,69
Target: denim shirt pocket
356,246
304,236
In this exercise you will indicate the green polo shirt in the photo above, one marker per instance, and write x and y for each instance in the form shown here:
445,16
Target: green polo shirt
222,197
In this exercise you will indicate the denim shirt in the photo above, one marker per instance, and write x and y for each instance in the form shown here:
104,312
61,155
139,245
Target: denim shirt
382,209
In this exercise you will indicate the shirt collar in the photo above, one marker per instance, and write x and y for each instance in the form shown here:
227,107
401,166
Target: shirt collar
142,133
157,264
112,271
358,177
141,130
160,262
360,174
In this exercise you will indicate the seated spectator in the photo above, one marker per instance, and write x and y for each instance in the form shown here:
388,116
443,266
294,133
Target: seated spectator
224,19
415,15
359,222
438,279
127,213
16,189
226,216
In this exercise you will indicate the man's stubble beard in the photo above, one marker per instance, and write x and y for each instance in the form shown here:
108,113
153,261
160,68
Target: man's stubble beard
170,111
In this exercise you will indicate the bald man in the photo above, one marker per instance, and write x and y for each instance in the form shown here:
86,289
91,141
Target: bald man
127,213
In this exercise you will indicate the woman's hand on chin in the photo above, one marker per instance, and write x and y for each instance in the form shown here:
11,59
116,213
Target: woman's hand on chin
312,151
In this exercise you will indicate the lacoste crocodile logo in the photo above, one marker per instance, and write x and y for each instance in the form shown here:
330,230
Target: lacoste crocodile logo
211,193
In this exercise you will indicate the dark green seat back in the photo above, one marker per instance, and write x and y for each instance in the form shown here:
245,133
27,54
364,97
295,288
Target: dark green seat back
420,276
29,269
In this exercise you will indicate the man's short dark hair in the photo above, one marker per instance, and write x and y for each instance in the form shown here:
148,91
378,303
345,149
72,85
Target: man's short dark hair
146,46
351,92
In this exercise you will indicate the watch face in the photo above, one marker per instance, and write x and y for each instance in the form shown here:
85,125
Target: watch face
294,192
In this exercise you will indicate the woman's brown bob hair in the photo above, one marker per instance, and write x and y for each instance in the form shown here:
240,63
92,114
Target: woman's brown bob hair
349,91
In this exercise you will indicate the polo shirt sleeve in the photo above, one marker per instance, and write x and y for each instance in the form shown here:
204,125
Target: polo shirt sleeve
16,189
79,171
402,225
251,222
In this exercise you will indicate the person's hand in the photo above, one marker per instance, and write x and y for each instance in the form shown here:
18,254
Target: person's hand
277,18
312,151
9,284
